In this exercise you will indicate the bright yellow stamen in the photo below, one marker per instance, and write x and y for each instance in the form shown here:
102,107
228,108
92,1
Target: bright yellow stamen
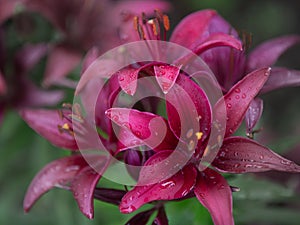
66,126
199,135
166,22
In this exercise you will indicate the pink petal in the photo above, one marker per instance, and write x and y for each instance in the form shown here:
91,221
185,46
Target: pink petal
89,58
217,40
57,173
62,60
268,52
214,193
188,110
166,76
29,56
128,80
192,28
83,186
150,128
281,78
178,186
242,155
45,123
239,97
253,114
3,88
7,9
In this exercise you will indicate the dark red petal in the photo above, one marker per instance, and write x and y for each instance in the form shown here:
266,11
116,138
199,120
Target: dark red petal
242,155
253,114
57,173
239,97
268,52
175,187
2,85
166,76
83,187
140,218
192,28
161,218
128,80
112,196
150,128
281,78
188,110
62,60
45,123
214,193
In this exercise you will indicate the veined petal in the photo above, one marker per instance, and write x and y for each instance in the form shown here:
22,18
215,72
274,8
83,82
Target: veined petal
253,114
62,60
56,174
239,97
150,128
242,155
83,186
178,186
268,52
188,110
128,79
46,123
214,193
280,78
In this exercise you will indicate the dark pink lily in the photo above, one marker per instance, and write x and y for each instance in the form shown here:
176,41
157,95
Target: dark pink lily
236,155
83,25
230,65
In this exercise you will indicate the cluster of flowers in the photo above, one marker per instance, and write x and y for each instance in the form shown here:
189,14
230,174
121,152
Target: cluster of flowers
242,78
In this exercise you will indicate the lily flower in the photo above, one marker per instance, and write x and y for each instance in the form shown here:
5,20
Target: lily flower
230,65
236,154
83,25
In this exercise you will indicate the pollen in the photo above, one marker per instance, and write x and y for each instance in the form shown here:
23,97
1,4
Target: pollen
206,151
136,23
65,126
166,22
199,135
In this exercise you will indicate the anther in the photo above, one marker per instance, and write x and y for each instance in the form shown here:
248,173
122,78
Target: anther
166,22
199,135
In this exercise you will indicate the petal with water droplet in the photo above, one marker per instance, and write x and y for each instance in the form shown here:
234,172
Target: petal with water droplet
242,155
214,193
253,114
128,79
166,76
177,186
236,109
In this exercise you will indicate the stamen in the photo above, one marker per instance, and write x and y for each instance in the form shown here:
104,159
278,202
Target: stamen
166,22
199,135
135,22
65,126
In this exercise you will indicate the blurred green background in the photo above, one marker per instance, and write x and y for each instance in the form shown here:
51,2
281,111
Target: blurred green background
260,201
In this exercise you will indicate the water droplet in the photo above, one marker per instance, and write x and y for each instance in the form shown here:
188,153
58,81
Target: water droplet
237,165
115,118
261,157
137,133
244,96
72,168
168,184
190,132
221,187
237,97
236,154
229,105
121,78
285,162
237,90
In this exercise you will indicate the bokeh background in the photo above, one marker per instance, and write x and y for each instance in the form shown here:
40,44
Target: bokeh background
266,199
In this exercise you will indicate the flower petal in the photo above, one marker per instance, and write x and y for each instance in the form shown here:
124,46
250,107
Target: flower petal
57,173
150,128
89,58
83,186
46,123
214,193
188,110
239,97
62,60
281,78
166,76
268,52
178,186
112,196
253,114
128,79
242,155
7,9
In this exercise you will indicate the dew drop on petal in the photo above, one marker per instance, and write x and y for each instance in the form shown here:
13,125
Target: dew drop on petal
229,105
237,90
